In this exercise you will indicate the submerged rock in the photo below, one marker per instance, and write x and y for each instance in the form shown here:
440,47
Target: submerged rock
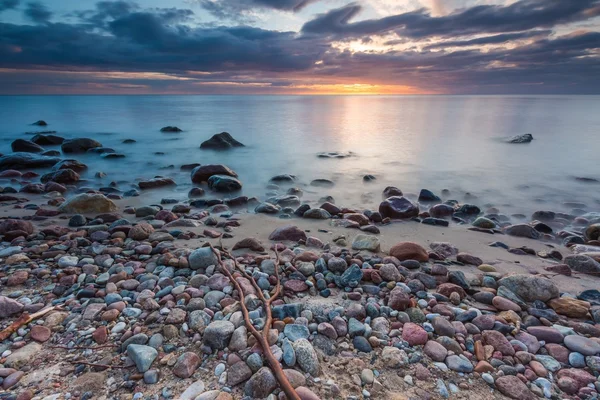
47,139
398,207
526,138
202,173
170,129
156,182
221,141
79,145
224,183
26,146
20,161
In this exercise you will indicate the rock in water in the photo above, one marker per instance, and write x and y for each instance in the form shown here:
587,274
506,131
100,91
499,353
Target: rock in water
202,173
41,122
530,288
67,176
170,129
20,161
26,146
88,203
398,207
156,182
526,138
79,145
221,141
224,183
47,140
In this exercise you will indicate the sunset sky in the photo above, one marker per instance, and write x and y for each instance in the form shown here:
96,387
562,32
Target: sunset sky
300,47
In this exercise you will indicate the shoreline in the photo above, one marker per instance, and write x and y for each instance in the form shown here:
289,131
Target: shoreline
342,368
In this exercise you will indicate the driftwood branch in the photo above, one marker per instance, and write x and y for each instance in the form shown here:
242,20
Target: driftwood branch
261,337
23,320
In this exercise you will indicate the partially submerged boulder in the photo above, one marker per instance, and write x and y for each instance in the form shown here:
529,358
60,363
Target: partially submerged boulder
26,161
526,138
170,129
26,146
204,172
221,141
79,145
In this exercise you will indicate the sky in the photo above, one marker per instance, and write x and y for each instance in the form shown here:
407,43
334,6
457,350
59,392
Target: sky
300,47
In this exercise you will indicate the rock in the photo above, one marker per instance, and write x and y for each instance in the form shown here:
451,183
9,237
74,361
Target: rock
267,208
398,299
193,391
23,356
65,176
296,331
143,356
530,288
249,243
47,139
224,183
25,146
583,345
409,251
261,384
89,382
221,141
366,242
306,357
202,173
572,308
582,263
306,394
40,333
435,351
427,196
74,165
484,223
392,191
9,307
468,259
459,363
526,138
522,230
511,386
141,231
238,373
288,232
19,161
170,129
156,182
186,365
546,333
414,334
217,334
499,342
316,213
398,207
202,258
41,122
393,357
79,145
443,327
85,203
361,344
504,304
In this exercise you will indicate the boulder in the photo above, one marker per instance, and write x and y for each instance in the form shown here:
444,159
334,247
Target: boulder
11,225
409,251
47,139
526,138
26,146
202,258
170,129
391,191
40,122
398,207
20,161
224,183
74,165
221,141
9,307
522,230
86,203
582,263
217,334
66,176
288,232
156,182
79,145
366,242
202,173
530,288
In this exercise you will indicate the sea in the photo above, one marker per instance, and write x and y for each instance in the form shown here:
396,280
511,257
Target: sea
456,143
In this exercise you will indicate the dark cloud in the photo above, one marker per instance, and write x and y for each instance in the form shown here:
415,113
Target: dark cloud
520,16
163,49
495,39
8,4
238,9
37,12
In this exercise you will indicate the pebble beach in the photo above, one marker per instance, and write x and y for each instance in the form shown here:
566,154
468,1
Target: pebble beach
426,295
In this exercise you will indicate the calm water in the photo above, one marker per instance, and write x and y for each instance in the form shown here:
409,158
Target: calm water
413,142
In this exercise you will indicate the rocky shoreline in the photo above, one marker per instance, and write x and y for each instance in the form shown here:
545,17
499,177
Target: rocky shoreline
416,299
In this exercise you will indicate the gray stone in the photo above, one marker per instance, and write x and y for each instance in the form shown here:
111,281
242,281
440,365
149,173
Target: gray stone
306,357
142,356
530,288
218,333
202,258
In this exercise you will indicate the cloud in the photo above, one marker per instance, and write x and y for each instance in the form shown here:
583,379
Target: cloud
37,12
494,39
241,9
519,16
8,4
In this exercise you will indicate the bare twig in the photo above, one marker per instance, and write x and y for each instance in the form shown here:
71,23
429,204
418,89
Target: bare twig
23,320
261,337
83,347
100,365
